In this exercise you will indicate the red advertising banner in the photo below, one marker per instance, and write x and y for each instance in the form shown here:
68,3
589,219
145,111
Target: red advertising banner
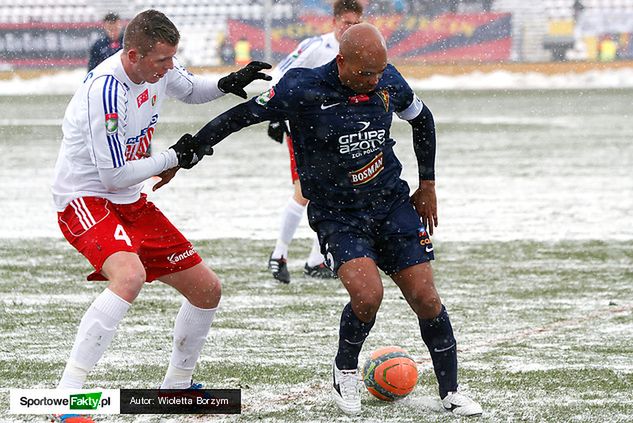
484,37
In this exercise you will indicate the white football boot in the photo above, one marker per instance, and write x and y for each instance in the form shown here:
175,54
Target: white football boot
460,405
346,389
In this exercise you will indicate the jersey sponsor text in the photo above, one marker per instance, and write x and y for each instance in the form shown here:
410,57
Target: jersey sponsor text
367,172
175,258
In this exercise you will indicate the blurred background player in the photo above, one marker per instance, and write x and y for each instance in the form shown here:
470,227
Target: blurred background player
99,174
109,43
310,53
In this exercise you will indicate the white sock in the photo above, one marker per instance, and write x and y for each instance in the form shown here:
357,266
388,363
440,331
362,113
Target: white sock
290,219
190,332
315,256
96,330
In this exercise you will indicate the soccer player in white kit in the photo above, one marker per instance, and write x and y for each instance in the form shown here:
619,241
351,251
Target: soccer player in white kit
107,129
310,53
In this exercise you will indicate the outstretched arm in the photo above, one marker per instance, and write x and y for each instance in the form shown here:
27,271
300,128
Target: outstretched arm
233,120
424,198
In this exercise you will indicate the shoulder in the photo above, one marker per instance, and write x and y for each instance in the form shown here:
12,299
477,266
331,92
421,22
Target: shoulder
398,88
179,70
105,87
310,43
102,41
300,77
393,78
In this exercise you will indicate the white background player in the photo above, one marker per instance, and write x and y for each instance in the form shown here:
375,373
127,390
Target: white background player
310,53
107,128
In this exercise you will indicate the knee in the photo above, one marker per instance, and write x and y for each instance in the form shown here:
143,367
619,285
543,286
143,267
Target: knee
429,307
127,283
208,292
366,304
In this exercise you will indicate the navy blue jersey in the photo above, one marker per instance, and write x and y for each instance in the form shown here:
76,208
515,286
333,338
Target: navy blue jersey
342,143
103,48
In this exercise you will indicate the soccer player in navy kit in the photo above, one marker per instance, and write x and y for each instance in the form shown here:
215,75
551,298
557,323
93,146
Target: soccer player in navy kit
340,116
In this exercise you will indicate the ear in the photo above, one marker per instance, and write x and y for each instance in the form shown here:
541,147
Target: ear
133,55
339,59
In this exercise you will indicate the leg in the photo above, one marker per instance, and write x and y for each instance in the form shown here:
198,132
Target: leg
202,291
361,279
408,257
417,286
290,220
98,326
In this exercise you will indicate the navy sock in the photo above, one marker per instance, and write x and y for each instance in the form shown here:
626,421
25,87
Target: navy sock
437,334
352,335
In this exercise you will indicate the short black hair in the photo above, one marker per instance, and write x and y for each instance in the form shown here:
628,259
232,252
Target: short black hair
111,17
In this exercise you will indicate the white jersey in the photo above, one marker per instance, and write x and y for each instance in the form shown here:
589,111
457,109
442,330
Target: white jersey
310,53
109,122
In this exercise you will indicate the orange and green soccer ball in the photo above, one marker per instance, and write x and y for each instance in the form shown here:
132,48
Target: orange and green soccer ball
390,373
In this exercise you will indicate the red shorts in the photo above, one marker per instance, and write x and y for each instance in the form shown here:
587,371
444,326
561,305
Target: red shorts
98,228
293,164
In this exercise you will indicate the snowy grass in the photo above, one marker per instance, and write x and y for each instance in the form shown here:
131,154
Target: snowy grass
544,331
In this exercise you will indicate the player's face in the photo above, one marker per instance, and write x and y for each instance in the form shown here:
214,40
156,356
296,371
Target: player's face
343,22
153,65
112,29
362,73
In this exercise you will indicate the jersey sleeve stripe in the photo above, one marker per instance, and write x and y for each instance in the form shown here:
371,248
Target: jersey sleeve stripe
117,144
109,96
104,98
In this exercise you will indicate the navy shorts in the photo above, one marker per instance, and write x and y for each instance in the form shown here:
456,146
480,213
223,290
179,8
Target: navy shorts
394,237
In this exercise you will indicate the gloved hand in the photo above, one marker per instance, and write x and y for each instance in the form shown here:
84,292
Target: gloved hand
189,151
235,82
276,130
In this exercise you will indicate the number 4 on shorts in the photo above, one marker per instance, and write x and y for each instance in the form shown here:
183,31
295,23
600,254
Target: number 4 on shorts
120,235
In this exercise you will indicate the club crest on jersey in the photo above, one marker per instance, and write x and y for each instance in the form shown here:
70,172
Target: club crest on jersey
368,172
111,122
384,96
265,97
142,98
153,100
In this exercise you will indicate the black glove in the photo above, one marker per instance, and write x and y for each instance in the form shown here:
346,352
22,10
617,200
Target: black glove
276,130
189,151
235,82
